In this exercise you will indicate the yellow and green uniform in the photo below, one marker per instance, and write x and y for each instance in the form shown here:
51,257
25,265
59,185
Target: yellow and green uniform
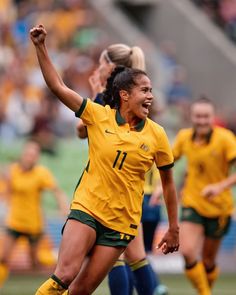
111,187
207,163
26,188
3,188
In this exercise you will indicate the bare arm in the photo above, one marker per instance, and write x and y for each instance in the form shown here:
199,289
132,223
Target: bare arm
67,96
215,189
61,200
170,241
96,87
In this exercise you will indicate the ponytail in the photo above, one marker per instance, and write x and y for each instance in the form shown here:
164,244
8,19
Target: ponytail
108,96
122,54
137,58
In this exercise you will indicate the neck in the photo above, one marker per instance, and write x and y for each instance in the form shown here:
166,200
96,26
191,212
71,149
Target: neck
26,167
129,117
202,137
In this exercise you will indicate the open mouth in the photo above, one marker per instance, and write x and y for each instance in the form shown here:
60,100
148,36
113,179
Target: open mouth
146,105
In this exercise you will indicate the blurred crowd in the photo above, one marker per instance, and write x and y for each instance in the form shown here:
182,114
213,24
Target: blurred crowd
27,107
77,37
223,13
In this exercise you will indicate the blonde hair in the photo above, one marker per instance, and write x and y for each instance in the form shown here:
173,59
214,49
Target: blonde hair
121,54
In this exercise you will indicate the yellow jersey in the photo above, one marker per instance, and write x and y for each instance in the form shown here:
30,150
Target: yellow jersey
111,187
208,163
3,187
26,189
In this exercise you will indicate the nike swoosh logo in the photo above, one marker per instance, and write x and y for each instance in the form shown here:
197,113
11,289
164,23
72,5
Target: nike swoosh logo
110,132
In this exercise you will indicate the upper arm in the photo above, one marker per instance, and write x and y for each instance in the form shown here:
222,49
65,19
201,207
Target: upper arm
69,97
48,182
163,157
166,177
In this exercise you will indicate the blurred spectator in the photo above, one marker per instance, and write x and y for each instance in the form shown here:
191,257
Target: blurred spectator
167,63
43,130
179,92
228,13
231,121
222,12
71,24
211,8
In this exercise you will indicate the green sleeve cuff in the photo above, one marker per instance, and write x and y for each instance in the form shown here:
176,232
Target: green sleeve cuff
166,167
81,109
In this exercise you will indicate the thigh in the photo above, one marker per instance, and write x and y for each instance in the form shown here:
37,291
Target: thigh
210,250
96,267
191,240
135,251
77,240
8,244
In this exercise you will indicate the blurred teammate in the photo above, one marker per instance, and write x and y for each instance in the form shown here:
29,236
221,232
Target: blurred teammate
207,202
25,181
106,209
120,279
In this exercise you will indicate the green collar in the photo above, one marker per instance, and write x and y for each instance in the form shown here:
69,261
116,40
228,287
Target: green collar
208,136
121,121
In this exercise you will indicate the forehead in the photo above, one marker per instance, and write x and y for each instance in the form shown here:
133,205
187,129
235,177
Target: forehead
143,81
32,148
202,108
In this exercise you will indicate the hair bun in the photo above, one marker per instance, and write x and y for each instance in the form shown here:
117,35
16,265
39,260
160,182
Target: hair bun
119,69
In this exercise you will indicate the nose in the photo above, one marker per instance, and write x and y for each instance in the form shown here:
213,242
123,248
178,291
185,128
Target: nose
150,96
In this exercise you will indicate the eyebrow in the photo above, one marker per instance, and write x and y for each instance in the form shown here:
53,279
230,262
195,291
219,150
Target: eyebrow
145,87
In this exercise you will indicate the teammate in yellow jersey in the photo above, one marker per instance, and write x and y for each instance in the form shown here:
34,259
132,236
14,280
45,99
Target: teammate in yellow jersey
207,202
121,280
25,181
106,209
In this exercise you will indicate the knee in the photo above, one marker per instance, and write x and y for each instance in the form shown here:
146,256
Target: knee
66,274
188,251
208,263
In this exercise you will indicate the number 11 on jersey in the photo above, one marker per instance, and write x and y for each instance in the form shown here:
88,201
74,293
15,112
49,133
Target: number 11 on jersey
123,156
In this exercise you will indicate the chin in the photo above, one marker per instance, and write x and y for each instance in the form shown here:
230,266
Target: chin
143,117
203,131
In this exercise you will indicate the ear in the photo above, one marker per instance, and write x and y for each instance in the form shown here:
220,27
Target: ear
124,95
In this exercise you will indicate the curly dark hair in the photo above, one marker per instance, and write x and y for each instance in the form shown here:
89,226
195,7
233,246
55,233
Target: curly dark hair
122,78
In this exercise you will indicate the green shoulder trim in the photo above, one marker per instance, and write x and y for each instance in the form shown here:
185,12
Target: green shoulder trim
166,167
81,109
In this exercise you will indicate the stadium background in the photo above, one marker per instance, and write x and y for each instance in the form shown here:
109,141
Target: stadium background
187,43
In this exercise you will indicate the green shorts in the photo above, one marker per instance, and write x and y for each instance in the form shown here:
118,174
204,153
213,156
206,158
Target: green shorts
32,238
214,228
105,235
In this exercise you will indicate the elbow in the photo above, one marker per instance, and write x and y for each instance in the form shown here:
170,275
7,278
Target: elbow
81,130
82,134
56,88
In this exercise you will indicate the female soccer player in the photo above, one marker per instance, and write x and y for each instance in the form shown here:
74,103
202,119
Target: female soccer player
25,182
120,280
206,198
106,209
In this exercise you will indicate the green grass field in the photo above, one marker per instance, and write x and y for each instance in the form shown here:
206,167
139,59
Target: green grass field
177,284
